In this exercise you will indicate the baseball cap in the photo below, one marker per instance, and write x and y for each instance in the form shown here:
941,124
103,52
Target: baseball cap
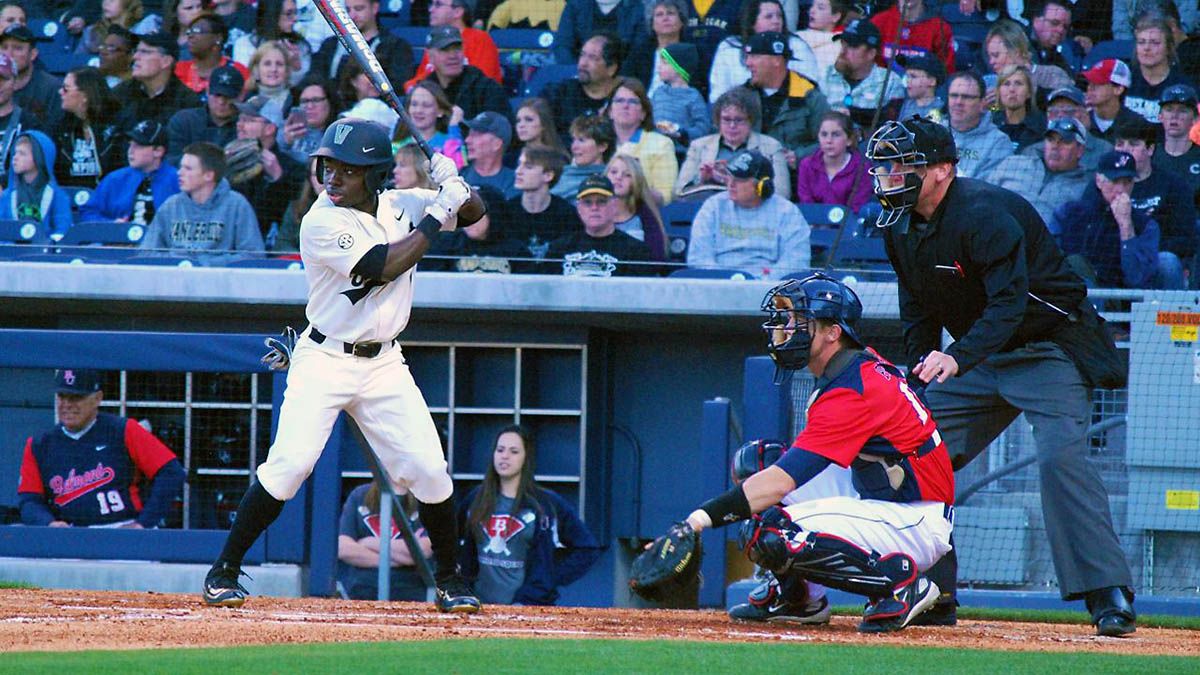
226,81
441,37
1108,71
860,32
683,57
769,43
492,123
8,67
1069,129
253,105
924,63
1116,164
76,381
148,132
595,184
1072,94
1179,93
750,164
161,40
20,32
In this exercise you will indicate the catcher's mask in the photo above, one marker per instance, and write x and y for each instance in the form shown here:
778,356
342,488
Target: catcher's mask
793,304
358,142
896,150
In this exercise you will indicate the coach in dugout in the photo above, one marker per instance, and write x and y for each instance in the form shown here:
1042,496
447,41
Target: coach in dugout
91,468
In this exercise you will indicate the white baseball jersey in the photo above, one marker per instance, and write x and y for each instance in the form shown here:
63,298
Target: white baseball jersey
332,241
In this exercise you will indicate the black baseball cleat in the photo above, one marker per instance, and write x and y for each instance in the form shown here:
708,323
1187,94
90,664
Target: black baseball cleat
1112,611
456,597
814,613
944,612
884,615
221,587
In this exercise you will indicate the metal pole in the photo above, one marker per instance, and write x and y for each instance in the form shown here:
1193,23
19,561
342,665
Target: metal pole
385,543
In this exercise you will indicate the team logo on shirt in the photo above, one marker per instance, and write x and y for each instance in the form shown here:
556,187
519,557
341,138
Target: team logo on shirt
345,240
499,529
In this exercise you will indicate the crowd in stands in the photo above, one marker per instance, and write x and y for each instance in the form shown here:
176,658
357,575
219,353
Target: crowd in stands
195,120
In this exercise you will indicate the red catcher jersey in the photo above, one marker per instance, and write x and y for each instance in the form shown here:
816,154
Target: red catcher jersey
868,409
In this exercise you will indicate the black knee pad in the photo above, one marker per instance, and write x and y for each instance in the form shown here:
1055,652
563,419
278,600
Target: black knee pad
767,539
836,563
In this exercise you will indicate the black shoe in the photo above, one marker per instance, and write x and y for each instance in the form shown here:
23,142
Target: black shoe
455,596
810,613
944,612
221,587
1112,611
885,615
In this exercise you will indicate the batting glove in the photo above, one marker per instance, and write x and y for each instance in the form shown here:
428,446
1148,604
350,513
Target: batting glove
441,168
280,356
450,197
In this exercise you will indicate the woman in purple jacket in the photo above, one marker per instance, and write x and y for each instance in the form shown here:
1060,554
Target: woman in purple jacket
836,173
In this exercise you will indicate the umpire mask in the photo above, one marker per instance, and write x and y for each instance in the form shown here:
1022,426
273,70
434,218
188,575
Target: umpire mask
896,150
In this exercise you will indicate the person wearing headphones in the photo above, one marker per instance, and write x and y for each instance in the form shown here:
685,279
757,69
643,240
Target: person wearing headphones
748,227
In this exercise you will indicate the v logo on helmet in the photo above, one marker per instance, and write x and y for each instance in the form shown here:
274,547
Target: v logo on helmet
341,133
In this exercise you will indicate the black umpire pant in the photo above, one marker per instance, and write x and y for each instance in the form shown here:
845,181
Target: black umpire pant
1041,381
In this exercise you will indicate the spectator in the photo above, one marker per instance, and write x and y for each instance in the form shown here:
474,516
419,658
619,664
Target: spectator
1007,45
636,211
280,176
1108,81
536,217
1107,241
206,43
758,16
358,547
1051,20
116,56
133,194
276,22
88,140
467,86
318,102
435,119
1018,116
478,48
535,125
914,32
666,24
113,14
540,15
923,75
1126,14
1154,66
269,77
791,104
1178,154
33,192
856,85
214,122
593,142
13,119
626,19
11,12
36,91
410,169
288,239
207,216
1163,196
825,19
736,115
748,227
596,79
680,112
522,541
1069,102
981,146
1053,179
91,469
478,247
488,135
707,23
633,120
178,16
153,93
237,15
311,25
599,249
836,173
394,54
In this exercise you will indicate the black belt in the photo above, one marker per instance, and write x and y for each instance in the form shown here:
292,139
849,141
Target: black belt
367,350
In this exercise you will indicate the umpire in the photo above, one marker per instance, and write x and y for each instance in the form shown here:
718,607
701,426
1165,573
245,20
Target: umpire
978,261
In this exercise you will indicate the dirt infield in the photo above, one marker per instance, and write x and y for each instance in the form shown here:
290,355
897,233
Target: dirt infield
75,620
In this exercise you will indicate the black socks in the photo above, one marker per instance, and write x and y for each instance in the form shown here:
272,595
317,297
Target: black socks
257,510
441,524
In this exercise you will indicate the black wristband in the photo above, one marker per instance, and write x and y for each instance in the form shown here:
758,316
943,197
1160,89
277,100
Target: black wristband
728,508
429,226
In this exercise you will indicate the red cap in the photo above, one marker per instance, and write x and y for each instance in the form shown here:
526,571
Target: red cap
1108,71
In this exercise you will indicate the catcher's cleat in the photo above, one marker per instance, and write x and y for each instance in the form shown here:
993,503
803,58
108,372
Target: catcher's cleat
221,587
887,614
456,597
942,613
814,613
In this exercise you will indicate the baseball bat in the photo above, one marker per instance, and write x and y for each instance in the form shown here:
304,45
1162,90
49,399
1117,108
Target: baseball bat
352,39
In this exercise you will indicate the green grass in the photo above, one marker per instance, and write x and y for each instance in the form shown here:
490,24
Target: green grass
1049,616
15,584
558,656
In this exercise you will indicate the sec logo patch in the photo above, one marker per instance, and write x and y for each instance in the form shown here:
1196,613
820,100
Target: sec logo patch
345,241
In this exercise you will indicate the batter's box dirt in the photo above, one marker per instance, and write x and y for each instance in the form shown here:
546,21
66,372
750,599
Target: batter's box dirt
42,620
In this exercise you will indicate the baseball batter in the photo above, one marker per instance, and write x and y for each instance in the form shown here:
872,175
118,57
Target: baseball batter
360,245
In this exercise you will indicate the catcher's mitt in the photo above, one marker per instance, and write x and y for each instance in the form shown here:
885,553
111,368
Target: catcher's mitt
243,160
670,565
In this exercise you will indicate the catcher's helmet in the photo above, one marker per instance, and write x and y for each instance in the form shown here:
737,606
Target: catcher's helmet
361,143
792,303
754,457
913,142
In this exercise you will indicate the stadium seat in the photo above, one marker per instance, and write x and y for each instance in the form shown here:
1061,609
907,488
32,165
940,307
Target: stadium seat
522,38
394,13
68,258
677,221
99,254
56,48
547,75
268,263
79,196
413,35
159,261
1109,49
104,233
711,273
21,232
819,215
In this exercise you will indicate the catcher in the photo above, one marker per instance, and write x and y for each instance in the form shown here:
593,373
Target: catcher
862,415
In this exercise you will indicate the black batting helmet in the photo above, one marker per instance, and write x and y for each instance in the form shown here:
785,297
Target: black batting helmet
792,303
358,142
913,142
754,457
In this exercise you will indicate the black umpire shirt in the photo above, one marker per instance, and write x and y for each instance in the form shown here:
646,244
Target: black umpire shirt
974,268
